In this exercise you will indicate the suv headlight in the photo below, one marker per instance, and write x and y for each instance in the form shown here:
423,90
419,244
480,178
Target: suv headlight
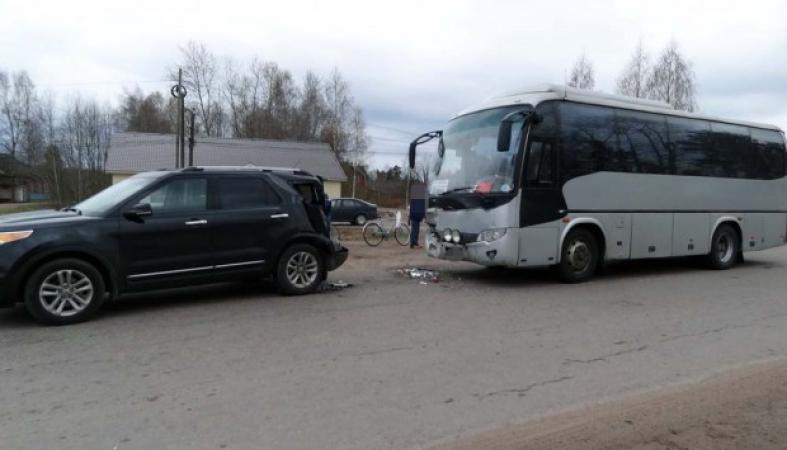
456,236
447,235
491,235
11,236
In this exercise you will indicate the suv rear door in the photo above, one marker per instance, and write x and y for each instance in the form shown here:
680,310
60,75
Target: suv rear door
251,224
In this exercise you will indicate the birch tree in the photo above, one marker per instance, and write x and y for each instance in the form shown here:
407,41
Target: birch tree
582,74
672,80
634,78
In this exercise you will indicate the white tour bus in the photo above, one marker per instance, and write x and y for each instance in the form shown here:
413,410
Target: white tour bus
573,178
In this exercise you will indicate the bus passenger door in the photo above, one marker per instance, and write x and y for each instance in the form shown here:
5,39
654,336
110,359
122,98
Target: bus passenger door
542,204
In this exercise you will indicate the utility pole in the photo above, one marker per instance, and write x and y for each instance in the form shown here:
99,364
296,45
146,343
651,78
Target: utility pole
179,92
191,137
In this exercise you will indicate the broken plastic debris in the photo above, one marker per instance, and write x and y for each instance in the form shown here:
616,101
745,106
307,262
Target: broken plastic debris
335,285
420,273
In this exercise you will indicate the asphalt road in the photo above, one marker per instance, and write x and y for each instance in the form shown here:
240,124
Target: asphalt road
389,363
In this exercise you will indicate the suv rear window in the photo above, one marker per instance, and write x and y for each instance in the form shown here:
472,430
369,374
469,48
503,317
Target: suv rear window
246,193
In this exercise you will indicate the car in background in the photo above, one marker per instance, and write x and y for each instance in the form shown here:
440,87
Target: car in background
352,210
168,229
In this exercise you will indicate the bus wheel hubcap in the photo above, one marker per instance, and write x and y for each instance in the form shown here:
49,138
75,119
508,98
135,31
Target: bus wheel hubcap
724,248
578,255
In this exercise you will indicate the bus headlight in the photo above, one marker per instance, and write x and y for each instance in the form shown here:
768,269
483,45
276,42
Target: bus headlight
456,236
447,235
491,235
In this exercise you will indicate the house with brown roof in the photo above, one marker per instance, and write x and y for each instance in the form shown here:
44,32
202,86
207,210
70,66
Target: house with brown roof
131,153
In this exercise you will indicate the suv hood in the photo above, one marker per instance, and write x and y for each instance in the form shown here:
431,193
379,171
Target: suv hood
46,216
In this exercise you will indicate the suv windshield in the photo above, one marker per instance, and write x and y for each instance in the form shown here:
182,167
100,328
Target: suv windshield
110,197
470,161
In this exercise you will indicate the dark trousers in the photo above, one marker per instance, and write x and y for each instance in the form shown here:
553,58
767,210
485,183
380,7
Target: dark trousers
415,228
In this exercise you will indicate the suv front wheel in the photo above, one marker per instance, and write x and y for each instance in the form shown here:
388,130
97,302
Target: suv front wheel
64,291
300,270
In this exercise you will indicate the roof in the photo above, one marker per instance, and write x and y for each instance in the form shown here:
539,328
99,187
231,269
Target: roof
140,152
538,94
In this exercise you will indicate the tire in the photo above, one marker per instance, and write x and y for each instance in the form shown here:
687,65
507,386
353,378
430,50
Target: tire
373,234
579,256
300,270
725,248
64,291
360,219
402,234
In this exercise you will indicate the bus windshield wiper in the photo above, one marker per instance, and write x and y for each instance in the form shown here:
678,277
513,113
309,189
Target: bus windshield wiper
72,209
459,189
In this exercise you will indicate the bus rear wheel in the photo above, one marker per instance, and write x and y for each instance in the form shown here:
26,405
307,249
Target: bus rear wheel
724,248
579,256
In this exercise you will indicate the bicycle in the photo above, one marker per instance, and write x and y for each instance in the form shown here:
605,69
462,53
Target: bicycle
374,233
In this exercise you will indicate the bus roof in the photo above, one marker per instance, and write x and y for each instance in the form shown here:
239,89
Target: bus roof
538,94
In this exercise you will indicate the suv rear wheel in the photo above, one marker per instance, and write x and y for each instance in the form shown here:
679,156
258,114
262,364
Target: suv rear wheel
64,291
300,270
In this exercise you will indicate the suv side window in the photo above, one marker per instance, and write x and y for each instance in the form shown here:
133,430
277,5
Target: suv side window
246,193
179,195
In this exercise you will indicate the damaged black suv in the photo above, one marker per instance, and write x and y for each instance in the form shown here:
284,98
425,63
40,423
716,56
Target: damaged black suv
167,229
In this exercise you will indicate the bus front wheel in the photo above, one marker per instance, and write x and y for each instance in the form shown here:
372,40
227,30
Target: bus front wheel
579,256
725,248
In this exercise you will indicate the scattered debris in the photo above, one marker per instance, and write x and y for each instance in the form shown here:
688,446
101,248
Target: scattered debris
420,273
334,286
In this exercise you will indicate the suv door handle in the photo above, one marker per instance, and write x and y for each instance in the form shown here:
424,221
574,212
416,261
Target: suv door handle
280,216
194,222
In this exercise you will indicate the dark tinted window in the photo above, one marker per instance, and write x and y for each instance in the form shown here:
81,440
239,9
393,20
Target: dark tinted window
729,154
542,145
644,141
245,192
768,153
689,140
185,194
589,142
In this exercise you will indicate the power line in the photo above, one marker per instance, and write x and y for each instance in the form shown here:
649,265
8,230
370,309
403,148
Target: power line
96,83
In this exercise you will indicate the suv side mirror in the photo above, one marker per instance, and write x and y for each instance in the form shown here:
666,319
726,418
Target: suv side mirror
138,212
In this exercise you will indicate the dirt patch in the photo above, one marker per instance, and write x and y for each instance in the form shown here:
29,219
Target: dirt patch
741,409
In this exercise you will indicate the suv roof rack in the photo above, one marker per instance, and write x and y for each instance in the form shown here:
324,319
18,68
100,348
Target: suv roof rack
250,168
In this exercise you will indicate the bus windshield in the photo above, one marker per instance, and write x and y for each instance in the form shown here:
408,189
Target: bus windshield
469,159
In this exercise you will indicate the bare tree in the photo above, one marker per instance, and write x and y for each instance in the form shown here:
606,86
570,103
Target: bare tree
311,110
582,74
339,107
633,80
672,79
147,114
200,73
86,129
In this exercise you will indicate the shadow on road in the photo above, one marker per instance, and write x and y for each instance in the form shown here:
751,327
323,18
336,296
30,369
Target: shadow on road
153,301
645,268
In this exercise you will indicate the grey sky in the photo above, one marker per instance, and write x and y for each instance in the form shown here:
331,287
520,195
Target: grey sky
411,64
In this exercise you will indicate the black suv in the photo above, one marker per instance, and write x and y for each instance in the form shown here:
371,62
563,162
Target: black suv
167,229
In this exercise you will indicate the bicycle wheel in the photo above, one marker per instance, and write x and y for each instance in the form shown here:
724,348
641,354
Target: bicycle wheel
373,234
402,234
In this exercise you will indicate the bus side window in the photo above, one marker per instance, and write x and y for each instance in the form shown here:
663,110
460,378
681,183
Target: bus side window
539,163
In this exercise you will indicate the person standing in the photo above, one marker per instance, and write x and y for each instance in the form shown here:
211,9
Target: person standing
417,211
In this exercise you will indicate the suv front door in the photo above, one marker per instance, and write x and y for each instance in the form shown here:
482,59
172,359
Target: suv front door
173,244
251,225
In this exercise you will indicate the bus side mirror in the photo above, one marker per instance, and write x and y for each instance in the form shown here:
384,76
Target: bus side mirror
412,154
504,136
